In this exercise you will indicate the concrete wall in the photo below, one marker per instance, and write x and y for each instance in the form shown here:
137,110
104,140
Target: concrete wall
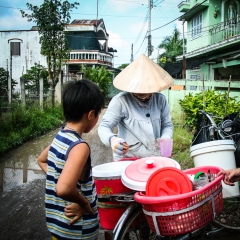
173,98
29,53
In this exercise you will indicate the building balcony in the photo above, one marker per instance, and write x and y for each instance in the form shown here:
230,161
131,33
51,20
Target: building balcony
227,30
90,58
184,6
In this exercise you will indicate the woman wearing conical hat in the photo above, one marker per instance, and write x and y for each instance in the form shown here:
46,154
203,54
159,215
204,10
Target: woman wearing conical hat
140,112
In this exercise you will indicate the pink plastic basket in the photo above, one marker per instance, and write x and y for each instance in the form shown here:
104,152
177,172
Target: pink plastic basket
184,213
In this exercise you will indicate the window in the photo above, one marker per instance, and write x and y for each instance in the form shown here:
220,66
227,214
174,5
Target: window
197,26
15,48
196,68
194,88
195,76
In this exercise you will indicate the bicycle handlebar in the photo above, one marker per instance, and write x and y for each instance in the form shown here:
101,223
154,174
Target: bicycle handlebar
213,124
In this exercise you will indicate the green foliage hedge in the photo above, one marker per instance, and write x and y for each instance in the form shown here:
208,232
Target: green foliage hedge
216,103
24,123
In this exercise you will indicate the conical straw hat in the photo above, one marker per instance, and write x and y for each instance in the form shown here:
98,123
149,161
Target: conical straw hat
143,76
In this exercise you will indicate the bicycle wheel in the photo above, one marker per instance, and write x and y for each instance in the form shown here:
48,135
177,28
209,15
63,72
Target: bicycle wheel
136,228
229,217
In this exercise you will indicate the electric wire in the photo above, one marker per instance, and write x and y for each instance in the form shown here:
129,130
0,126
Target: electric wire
141,30
178,17
141,44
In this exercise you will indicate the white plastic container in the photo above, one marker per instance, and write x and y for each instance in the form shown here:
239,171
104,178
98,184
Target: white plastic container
136,174
219,153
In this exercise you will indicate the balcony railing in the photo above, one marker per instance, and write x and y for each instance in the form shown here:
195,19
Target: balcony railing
225,30
184,6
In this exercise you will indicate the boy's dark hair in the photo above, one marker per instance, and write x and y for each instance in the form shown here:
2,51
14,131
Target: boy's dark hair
81,97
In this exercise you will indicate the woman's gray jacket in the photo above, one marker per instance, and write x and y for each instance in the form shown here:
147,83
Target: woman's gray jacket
137,122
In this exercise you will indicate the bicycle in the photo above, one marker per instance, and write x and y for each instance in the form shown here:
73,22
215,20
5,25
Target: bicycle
198,207
227,128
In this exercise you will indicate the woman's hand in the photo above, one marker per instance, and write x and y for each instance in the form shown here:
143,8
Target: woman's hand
119,146
231,176
76,211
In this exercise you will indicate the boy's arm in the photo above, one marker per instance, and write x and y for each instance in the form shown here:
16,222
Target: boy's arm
71,173
42,159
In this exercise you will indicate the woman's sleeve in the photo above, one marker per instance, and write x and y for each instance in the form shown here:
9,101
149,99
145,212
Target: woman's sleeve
166,121
110,120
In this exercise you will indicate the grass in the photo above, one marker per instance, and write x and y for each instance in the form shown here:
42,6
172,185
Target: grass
23,123
182,139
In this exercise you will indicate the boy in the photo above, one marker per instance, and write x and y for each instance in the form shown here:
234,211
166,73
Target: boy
70,197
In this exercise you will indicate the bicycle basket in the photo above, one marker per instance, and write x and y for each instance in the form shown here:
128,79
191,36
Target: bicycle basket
183,213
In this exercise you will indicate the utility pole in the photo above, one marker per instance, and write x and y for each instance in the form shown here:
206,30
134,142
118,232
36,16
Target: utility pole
97,9
131,53
150,5
10,81
184,59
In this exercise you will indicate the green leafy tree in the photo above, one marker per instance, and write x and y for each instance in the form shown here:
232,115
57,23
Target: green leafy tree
4,89
123,65
51,18
32,78
4,83
100,75
172,46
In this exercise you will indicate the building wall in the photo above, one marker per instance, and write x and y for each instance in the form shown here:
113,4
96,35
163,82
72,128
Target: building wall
203,39
29,53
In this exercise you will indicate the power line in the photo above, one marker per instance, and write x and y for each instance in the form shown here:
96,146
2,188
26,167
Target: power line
178,17
13,8
141,30
141,44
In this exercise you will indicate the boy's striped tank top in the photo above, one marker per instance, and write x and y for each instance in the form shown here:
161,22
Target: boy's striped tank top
57,223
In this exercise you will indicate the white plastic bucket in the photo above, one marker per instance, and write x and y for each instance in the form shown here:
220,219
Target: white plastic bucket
218,153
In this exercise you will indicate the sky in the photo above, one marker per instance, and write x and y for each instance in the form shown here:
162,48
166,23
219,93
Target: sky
126,22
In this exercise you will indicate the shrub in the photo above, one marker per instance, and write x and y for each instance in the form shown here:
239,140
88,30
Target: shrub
216,103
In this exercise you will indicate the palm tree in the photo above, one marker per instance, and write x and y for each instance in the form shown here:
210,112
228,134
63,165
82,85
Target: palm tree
173,46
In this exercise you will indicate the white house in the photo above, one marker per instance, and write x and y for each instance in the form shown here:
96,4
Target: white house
87,39
25,48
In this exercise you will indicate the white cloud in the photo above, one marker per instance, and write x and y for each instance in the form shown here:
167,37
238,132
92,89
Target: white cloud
15,21
136,27
123,48
124,5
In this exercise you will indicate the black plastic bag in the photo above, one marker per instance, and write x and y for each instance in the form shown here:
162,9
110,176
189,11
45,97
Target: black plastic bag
202,133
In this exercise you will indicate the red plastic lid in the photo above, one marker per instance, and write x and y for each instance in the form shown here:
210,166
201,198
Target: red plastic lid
168,181
140,170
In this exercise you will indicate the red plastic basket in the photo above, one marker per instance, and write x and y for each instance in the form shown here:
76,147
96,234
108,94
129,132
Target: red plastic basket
184,213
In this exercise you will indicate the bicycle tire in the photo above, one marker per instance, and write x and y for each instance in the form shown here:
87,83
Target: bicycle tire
229,218
141,230
136,227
